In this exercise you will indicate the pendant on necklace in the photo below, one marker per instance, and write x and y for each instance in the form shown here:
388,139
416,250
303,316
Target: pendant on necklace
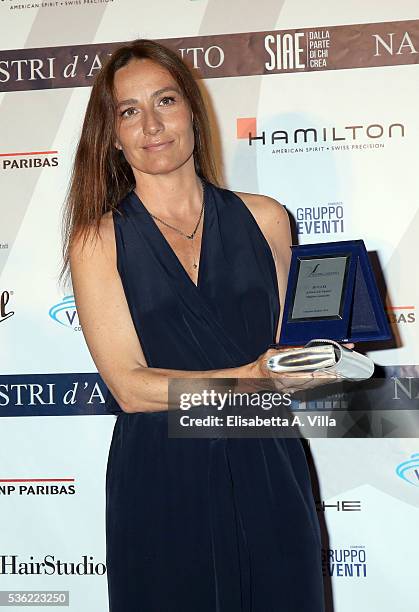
195,266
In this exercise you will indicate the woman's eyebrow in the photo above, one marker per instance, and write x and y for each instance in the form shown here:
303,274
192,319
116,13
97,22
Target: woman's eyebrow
163,89
153,95
128,101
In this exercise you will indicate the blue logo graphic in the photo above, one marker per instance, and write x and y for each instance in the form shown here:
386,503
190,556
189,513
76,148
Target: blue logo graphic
65,312
409,470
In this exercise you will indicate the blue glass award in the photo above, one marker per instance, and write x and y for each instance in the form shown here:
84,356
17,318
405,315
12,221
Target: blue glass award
332,293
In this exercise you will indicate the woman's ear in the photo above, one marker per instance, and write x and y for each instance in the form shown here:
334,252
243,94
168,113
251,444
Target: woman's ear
117,145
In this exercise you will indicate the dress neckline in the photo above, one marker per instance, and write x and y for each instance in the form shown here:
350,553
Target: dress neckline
165,242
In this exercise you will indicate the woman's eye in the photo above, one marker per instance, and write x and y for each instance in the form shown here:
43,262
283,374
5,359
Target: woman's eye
128,112
166,98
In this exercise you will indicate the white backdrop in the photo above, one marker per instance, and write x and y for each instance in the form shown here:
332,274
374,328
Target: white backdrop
54,434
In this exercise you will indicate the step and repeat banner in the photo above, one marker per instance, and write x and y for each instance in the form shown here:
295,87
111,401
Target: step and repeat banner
313,103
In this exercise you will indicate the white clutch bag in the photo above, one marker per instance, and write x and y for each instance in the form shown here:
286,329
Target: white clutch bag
323,356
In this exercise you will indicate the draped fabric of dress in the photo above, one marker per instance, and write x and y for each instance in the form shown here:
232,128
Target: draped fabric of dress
217,524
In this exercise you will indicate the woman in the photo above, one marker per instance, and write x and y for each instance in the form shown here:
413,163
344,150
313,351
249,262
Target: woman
176,277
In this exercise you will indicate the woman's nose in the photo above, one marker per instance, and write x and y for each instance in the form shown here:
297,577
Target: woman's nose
152,122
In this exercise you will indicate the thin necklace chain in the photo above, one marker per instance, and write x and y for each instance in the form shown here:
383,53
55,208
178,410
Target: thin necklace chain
192,235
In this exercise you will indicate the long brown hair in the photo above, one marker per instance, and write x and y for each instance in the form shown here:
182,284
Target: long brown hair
101,176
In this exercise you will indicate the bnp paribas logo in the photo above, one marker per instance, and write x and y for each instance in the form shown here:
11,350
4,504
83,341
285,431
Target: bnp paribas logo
409,470
65,313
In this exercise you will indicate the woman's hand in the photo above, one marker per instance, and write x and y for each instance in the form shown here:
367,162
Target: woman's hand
293,381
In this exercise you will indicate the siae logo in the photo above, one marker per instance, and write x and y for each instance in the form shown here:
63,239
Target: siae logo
65,313
4,299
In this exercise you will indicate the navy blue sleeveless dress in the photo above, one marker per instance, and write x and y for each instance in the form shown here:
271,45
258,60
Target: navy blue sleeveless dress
218,524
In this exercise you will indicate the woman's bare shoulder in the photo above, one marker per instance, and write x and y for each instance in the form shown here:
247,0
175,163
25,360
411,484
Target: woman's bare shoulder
96,239
270,215
106,228
262,205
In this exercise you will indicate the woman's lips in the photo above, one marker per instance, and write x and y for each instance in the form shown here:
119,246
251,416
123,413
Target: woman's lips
157,147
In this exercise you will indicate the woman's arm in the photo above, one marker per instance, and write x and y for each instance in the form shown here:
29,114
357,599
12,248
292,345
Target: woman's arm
110,333
274,224
112,338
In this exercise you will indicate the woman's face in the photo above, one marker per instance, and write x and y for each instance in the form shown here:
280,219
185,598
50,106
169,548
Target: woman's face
152,110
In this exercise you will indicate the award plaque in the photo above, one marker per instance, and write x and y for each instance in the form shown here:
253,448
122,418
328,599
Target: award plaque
332,293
